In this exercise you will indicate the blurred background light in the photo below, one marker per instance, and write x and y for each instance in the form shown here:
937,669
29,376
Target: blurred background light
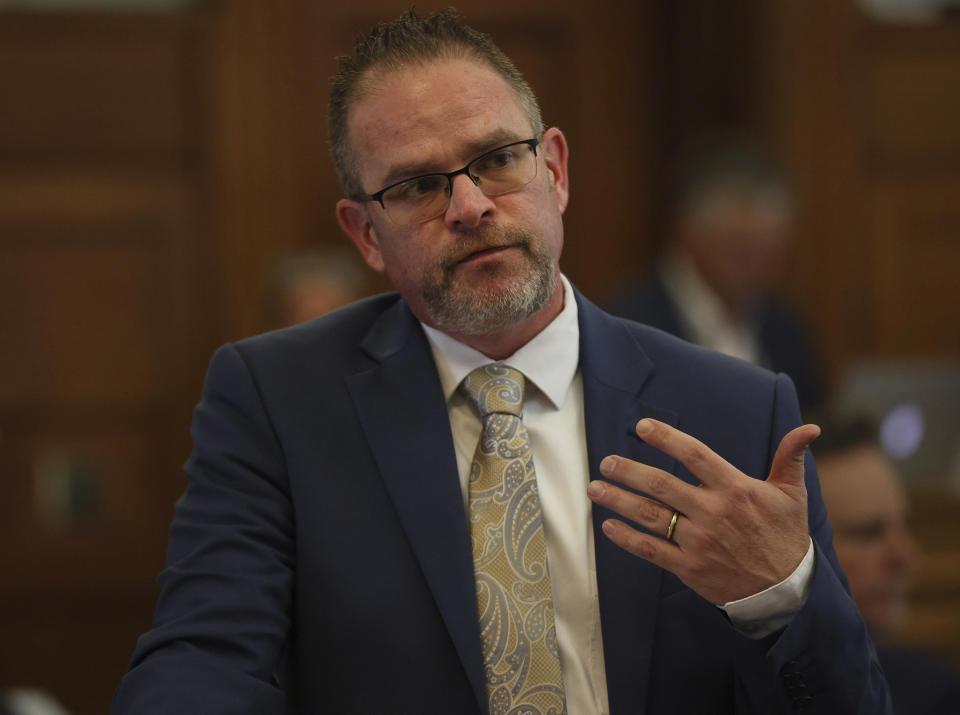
901,431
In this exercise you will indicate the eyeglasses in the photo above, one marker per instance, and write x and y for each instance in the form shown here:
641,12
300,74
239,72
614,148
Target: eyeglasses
499,171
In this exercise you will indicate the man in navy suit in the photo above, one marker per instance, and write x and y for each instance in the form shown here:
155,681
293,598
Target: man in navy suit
321,560
731,222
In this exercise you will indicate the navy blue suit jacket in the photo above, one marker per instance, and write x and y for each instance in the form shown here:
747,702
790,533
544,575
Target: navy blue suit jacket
320,558
920,684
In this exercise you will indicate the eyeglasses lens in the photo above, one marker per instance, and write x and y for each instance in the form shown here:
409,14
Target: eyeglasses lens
425,197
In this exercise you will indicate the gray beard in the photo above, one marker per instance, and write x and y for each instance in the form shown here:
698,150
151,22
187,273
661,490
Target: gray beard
463,312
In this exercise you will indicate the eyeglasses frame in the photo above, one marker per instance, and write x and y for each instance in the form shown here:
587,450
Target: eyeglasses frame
449,175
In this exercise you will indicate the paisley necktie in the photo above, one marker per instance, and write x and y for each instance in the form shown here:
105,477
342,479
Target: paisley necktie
515,606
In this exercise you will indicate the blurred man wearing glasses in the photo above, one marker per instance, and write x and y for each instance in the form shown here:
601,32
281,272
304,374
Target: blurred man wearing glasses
428,501
868,509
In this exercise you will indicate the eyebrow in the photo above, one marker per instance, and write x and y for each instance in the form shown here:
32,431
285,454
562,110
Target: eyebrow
474,149
867,528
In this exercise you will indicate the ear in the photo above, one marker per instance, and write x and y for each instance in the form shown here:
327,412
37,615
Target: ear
355,222
554,146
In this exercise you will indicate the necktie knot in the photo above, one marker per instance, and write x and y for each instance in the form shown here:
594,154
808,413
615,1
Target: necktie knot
496,389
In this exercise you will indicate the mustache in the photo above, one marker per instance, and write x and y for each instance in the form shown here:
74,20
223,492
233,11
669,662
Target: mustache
484,239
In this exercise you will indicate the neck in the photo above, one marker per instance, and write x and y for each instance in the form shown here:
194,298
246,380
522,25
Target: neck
736,310
503,344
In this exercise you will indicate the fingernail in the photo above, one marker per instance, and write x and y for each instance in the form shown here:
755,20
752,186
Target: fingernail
608,465
608,528
596,488
644,427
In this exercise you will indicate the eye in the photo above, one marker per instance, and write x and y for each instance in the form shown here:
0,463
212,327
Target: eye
869,531
497,160
419,187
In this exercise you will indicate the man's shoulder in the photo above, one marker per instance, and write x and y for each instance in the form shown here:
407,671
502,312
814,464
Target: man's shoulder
341,329
310,361
334,344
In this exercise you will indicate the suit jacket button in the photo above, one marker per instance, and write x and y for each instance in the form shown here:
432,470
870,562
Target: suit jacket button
792,679
791,667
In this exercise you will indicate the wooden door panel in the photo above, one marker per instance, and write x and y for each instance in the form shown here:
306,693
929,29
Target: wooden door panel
85,303
92,88
917,231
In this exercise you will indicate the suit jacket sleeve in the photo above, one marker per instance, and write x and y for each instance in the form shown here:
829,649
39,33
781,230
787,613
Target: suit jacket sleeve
824,659
223,615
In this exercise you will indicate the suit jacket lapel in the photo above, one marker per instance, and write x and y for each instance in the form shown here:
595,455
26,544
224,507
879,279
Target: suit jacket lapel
403,412
413,448
615,369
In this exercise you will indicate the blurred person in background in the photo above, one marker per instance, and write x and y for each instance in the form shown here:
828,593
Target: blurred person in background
868,508
307,284
731,224
29,701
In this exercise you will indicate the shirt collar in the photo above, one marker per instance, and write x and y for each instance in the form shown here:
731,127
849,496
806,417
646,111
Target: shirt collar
549,360
702,311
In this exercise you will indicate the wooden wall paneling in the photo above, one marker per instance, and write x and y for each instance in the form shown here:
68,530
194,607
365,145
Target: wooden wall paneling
810,83
89,407
85,98
868,115
92,361
104,322
90,493
611,111
911,119
932,623
148,222
252,130
703,55
916,225
911,113
90,300
76,647
323,32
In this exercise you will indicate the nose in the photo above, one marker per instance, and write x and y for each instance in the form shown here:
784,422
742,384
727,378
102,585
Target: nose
468,204
904,549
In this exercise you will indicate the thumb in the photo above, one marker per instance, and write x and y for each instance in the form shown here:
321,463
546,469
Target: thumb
787,466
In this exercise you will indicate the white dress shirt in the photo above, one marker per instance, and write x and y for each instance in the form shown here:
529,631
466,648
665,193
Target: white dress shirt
553,416
708,323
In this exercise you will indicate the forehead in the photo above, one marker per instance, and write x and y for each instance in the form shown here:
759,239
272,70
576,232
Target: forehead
860,484
432,115
732,208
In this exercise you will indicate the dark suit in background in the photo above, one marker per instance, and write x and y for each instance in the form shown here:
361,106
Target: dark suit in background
920,685
729,223
783,340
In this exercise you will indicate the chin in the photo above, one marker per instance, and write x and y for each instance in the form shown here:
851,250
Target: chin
885,623
488,310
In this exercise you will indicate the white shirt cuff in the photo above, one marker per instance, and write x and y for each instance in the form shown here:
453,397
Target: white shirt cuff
770,610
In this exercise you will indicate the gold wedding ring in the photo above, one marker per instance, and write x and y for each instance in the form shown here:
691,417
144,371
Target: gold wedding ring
673,525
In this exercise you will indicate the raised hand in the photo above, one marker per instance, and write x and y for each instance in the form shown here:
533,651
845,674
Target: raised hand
734,535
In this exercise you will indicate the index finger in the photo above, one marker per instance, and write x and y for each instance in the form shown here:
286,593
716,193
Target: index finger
705,464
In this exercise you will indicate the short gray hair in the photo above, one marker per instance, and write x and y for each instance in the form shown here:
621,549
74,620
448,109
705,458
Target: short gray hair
729,165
